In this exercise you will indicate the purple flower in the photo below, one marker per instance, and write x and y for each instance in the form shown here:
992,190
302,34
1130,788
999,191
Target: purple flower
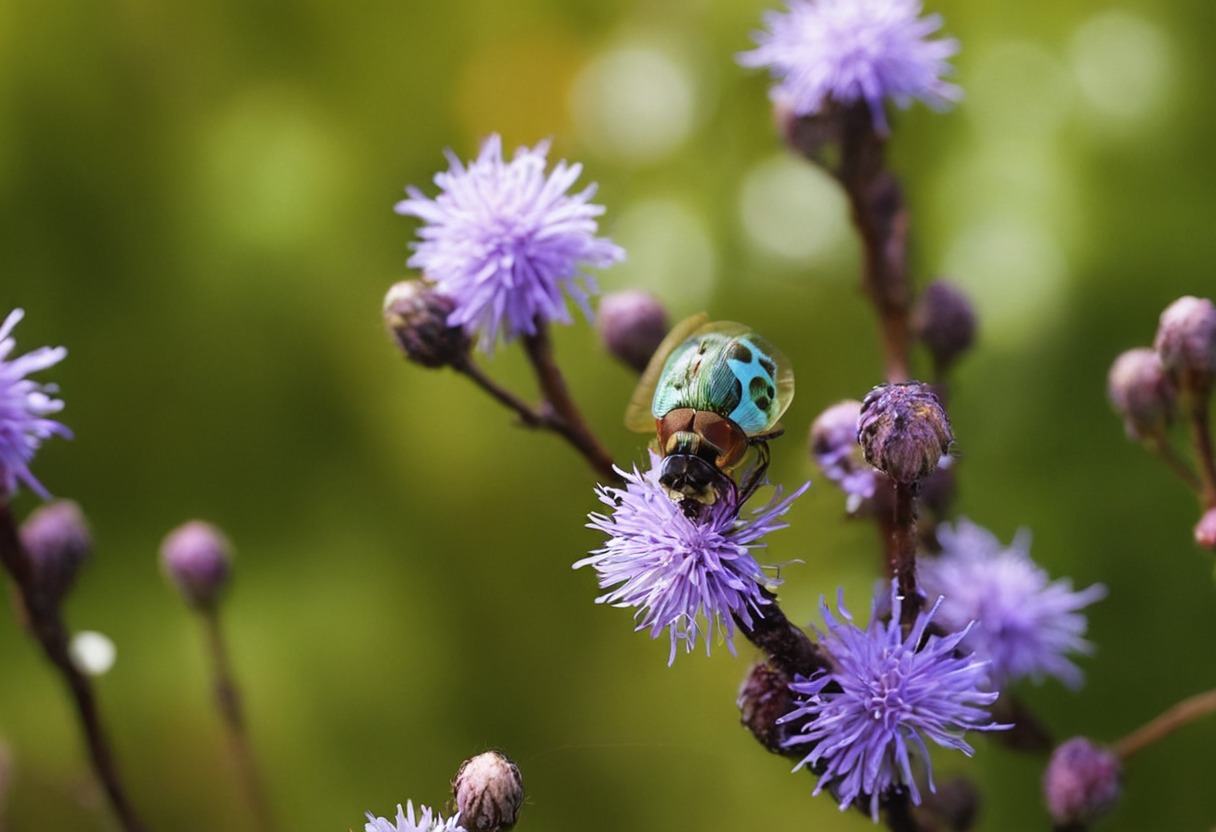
424,821
846,51
503,240
688,575
866,720
24,405
1025,623
835,450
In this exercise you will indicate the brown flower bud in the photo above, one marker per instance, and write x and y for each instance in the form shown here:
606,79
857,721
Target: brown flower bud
944,321
489,793
904,430
764,698
416,317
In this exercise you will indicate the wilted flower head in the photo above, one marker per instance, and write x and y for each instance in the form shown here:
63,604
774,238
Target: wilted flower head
503,241
835,450
1082,782
416,317
904,430
24,406
850,51
868,718
865,721
1026,624
683,574
407,821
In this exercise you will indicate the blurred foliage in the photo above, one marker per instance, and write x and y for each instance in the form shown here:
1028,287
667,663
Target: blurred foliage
196,200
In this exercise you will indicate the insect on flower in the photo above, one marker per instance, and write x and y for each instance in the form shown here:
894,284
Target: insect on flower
712,392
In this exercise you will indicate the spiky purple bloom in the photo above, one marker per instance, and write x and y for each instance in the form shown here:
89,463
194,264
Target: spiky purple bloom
503,241
24,406
848,51
1025,623
688,575
407,821
865,721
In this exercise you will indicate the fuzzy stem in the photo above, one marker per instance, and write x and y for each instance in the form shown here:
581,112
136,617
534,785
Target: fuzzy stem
570,422
903,555
228,700
48,628
1202,437
1186,711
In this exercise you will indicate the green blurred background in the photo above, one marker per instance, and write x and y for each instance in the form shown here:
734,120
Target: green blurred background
196,200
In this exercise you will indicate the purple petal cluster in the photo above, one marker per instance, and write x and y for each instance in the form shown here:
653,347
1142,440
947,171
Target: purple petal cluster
867,720
1026,624
835,450
686,575
407,821
503,240
24,406
849,51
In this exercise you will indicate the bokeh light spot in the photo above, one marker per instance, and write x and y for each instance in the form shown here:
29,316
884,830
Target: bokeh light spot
670,252
792,209
92,652
1122,65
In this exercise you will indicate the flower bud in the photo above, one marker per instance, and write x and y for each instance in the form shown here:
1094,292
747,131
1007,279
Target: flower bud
904,430
196,557
56,538
1082,782
1142,393
489,793
1186,342
944,321
632,324
1205,530
834,448
764,698
416,317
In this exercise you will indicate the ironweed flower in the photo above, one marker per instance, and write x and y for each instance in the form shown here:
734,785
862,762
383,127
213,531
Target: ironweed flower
850,51
503,240
24,406
1025,623
407,821
865,721
686,575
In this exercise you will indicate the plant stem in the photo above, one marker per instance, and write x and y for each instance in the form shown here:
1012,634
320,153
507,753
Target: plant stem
1202,437
228,700
1186,711
903,555
48,628
1166,453
787,647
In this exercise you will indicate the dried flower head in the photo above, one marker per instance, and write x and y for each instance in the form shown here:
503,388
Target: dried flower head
416,317
1082,782
504,240
24,406
852,51
867,720
1025,623
904,430
407,821
1142,393
489,792
684,574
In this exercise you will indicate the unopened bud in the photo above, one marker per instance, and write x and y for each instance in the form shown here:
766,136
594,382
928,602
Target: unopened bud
944,321
1142,393
1186,342
196,557
1082,782
632,324
815,137
56,538
834,448
763,699
416,317
904,430
489,793
1205,530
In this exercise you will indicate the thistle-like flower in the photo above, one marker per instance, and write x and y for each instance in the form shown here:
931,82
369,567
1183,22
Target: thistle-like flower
688,575
24,406
850,51
407,821
503,240
866,721
1025,623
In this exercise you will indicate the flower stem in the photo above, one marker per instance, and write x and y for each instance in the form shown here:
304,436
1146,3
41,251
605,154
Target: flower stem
1186,711
48,628
228,700
787,647
1166,453
1202,437
903,554
881,219
566,419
